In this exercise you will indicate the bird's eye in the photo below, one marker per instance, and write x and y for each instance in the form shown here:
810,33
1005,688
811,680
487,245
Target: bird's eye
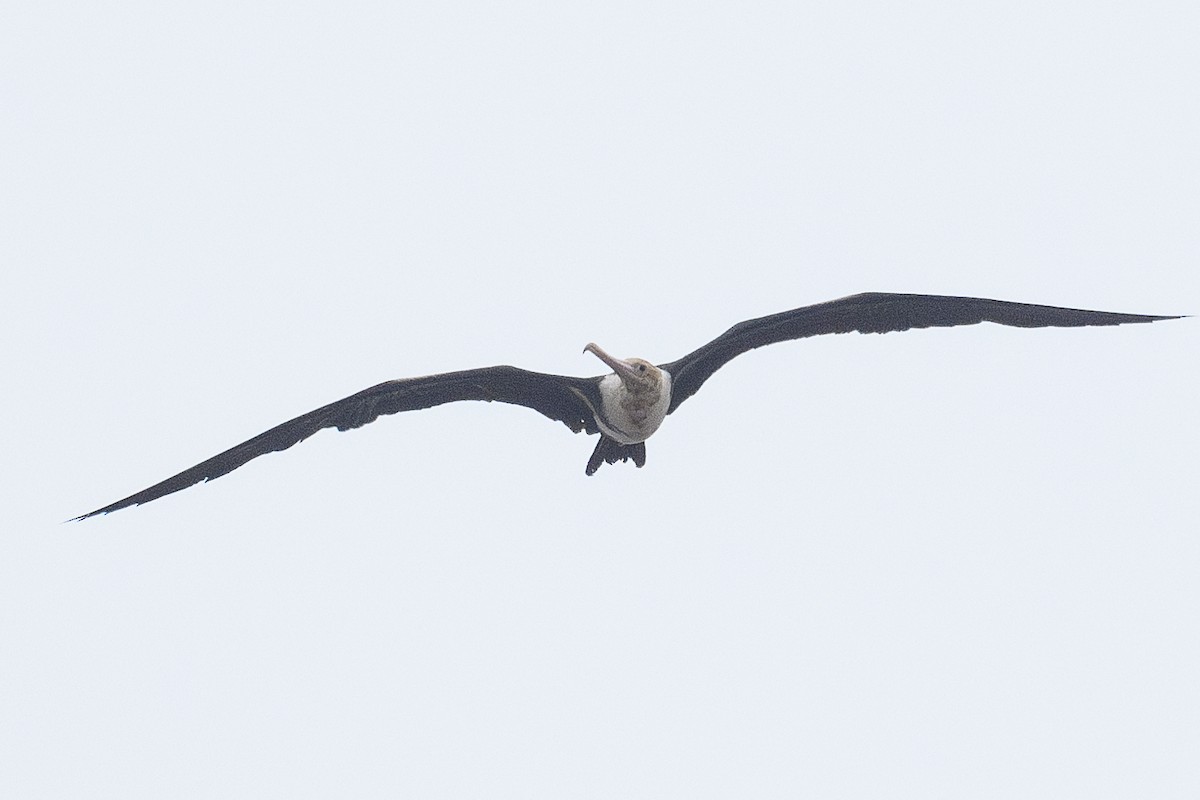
641,367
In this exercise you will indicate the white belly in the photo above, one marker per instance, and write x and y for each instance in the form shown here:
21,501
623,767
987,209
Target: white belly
627,418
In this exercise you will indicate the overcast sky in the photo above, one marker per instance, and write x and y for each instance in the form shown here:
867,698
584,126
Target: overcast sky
951,563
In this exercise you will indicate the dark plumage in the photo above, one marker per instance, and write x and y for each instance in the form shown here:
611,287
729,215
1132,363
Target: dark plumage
627,406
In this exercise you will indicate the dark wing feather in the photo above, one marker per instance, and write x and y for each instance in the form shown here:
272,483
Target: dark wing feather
552,395
873,312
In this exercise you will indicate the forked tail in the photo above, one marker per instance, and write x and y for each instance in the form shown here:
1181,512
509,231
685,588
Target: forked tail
610,451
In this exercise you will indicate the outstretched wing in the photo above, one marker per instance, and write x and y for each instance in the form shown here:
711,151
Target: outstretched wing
552,395
873,312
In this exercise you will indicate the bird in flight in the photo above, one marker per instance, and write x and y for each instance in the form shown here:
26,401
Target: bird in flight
627,405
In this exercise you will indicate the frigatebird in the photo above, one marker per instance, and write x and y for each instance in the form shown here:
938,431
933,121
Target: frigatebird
628,405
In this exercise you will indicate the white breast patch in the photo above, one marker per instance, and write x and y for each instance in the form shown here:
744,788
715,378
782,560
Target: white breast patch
631,422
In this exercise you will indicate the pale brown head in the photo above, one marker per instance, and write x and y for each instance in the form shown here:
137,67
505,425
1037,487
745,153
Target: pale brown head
637,374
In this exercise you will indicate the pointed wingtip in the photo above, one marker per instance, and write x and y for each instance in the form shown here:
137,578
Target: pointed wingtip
101,512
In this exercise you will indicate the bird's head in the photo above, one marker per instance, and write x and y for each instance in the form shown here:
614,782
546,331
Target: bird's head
638,374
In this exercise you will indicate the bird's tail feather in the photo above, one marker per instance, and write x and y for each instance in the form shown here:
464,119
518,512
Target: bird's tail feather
610,451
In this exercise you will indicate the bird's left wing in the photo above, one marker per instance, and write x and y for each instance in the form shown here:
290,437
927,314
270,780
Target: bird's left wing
874,312
558,397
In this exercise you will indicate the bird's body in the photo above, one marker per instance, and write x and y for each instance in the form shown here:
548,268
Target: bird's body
628,405
632,409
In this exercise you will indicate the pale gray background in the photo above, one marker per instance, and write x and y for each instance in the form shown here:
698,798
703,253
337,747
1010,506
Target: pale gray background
952,563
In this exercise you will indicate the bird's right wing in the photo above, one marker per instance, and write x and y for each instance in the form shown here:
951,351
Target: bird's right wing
556,396
873,312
